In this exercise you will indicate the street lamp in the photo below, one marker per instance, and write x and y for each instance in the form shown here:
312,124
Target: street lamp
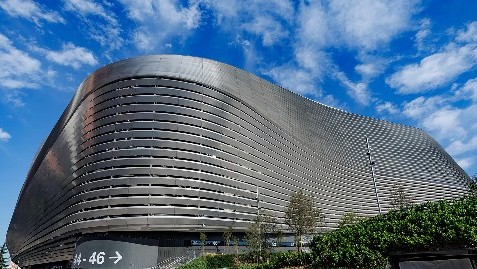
371,165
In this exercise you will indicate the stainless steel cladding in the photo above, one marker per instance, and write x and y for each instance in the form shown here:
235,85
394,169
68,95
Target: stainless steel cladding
176,143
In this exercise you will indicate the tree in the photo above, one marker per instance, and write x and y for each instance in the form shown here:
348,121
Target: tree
203,238
259,233
472,185
228,233
3,256
349,218
236,247
302,216
399,197
279,237
236,244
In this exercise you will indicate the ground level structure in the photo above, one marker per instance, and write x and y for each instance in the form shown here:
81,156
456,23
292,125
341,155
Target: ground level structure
162,148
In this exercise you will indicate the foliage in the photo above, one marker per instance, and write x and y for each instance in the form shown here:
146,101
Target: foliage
259,233
399,197
278,260
228,233
349,218
203,238
302,216
3,256
472,185
210,262
236,244
426,227
287,259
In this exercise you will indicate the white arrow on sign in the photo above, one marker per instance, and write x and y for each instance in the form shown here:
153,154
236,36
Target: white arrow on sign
118,257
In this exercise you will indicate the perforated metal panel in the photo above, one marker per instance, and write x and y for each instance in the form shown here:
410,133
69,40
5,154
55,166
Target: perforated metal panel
163,143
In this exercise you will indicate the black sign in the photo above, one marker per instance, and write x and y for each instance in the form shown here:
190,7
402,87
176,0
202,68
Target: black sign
110,253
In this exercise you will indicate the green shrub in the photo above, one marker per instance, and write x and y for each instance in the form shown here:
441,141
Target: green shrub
210,262
426,227
294,258
199,263
277,260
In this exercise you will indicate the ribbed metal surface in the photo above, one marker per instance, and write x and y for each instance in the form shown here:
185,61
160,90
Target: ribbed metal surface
160,143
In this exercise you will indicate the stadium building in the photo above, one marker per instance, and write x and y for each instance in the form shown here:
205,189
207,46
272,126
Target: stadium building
153,150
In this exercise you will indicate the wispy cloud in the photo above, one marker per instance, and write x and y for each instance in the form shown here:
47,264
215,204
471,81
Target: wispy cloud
363,25
441,115
360,26
267,20
452,123
358,91
466,163
370,24
17,68
423,34
30,10
72,56
14,97
158,21
458,147
298,80
101,23
387,108
304,74
469,34
441,68
4,136
435,70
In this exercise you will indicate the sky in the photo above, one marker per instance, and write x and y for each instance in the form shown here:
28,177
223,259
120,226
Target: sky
407,61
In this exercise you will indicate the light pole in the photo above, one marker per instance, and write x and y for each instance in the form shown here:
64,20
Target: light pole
259,222
371,165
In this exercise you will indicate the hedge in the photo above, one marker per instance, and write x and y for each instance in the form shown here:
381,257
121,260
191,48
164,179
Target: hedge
210,262
277,260
426,227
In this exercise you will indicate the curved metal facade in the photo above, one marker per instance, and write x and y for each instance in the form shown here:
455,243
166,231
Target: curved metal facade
175,143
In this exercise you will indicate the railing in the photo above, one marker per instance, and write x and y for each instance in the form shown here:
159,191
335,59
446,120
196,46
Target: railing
174,262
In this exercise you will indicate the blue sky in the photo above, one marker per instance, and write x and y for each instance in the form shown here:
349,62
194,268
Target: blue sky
411,62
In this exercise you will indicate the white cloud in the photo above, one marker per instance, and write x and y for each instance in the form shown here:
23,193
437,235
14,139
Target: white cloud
369,24
268,28
458,147
4,136
435,70
469,34
358,91
358,25
314,26
17,68
265,19
72,55
465,163
371,65
158,21
422,106
304,74
364,25
295,79
452,122
14,97
442,118
423,34
30,10
445,123
387,107
86,7
367,69
102,25
468,91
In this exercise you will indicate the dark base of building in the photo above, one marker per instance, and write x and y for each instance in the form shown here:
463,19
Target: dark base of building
148,249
